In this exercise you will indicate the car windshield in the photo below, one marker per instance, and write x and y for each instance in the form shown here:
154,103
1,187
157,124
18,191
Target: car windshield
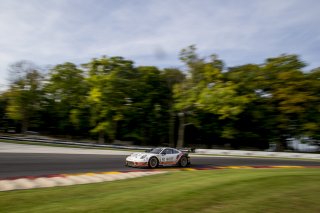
156,150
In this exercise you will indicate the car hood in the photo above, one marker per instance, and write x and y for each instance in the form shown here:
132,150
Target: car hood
139,154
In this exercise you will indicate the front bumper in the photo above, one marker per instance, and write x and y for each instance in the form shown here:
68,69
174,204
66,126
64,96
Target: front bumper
134,162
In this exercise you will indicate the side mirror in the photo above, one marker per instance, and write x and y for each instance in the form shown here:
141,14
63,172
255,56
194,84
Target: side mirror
163,154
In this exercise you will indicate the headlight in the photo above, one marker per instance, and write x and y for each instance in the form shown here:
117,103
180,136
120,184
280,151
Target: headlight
143,156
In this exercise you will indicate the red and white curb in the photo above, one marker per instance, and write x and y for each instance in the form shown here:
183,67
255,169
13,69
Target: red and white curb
68,179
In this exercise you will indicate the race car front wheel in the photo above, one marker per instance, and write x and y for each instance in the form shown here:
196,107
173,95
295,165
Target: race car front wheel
183,161
153,162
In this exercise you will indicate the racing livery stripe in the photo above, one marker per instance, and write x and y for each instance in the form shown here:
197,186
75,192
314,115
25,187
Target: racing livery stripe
168,163
178,157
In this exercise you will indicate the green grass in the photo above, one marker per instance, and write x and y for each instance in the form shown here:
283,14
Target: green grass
243,190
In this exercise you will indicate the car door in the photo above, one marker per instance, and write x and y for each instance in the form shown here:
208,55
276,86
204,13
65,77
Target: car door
168,157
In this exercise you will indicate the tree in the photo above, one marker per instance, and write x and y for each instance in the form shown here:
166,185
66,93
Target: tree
109,90
281,99
24,93
244,106
207,91
185,93
172,78
290,96
311,117
147,113
254,125
65,94
4,124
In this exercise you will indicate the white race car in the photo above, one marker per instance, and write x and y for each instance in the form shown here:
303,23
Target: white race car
159,157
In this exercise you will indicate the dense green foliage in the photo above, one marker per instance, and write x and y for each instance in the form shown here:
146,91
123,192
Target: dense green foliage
205,104
240,190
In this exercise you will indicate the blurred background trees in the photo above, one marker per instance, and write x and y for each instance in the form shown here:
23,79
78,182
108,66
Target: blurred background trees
205,104
24,94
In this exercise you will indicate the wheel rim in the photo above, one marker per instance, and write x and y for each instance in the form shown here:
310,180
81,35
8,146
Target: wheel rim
153,162
184,162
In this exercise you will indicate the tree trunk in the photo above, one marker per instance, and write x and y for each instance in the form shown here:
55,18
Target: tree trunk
101,137
24,127
171,129
180,142
113,134
281,144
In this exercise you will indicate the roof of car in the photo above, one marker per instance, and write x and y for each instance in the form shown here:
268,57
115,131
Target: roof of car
166,148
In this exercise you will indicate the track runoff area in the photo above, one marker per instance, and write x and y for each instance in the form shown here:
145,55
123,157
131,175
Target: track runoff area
44,181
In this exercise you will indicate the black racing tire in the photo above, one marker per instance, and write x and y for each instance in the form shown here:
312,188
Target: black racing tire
153,162
183,162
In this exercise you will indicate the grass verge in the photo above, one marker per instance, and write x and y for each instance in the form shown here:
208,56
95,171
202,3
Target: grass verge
244,190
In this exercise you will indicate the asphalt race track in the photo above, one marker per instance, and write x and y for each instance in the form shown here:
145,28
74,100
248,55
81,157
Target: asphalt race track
31,164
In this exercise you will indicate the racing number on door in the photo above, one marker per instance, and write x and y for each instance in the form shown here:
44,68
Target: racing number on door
169,156
166,159
169,159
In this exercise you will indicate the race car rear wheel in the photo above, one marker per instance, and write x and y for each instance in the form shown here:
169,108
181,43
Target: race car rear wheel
153,162
183,161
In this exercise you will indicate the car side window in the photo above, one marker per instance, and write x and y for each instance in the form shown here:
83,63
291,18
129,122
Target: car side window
167,151
174,151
